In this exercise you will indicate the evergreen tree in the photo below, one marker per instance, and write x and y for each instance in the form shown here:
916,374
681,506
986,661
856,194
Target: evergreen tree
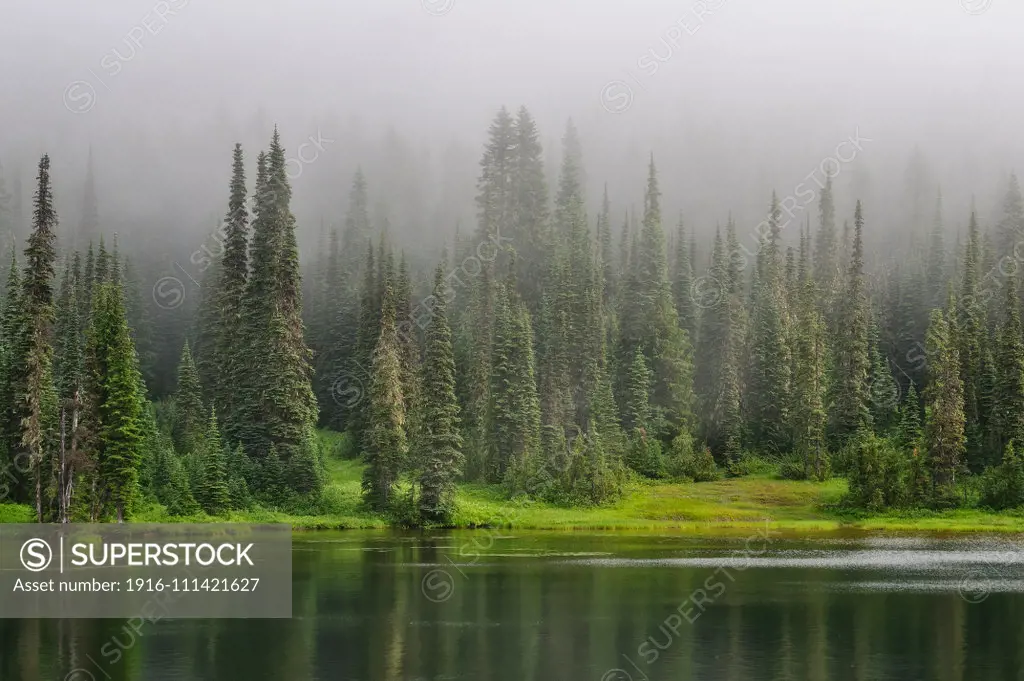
908,434
366,336
648,319
809,358
971,336
439,443
944,412
384,444
39,419
172,484
139,321
682,283
637,410
528,215
769,395
513,411
1008,403
478,330
12,369
826,249
114,392
850,413
213,493
276,402
233,274
189,412
884,391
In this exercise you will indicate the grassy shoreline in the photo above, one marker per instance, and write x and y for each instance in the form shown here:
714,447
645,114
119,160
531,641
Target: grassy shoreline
727,506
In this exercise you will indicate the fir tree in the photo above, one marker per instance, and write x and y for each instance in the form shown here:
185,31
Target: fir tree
1008,399
648,318
230,292
682,283
850,413
971,337
809,359
39,396
513,412
213,493
384,444
114,391
770,386
190,414
944,412
439,443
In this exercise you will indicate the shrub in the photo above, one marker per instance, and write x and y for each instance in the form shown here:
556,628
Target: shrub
879,475
644,455
749,463
793,469
684,462
1002,486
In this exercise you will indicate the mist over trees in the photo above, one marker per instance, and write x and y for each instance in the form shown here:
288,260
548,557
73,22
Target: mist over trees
632,279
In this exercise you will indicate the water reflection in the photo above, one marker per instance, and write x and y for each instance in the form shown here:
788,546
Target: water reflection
378,606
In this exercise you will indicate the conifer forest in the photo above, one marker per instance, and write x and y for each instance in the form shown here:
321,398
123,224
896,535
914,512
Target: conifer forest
551,350
559,301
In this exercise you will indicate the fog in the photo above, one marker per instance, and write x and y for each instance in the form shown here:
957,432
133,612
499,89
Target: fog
735,98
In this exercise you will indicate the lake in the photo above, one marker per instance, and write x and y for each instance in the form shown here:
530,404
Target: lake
508,605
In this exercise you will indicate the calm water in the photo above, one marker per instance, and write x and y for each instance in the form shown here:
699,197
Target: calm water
520,606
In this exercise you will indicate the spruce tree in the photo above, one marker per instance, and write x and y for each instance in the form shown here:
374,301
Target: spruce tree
770,384
39,395
12,368
438,441
809,417
648,318
276,402
213,493
478,330
233,274
367,335
1008,399
850,412
944,412
384,445
682,284
971,337
114,392
826,249
189,412
513,411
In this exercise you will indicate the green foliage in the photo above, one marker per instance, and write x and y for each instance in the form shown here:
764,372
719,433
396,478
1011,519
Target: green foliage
384,445
851,414
212,491
114,393
513,413
190,421
644,455
438,443
171,480
944,413
1003,485
684,460
749,463
879,479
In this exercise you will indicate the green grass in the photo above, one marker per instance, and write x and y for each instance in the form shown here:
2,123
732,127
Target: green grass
733,504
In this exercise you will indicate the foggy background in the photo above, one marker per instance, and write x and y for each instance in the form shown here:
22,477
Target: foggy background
734,97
